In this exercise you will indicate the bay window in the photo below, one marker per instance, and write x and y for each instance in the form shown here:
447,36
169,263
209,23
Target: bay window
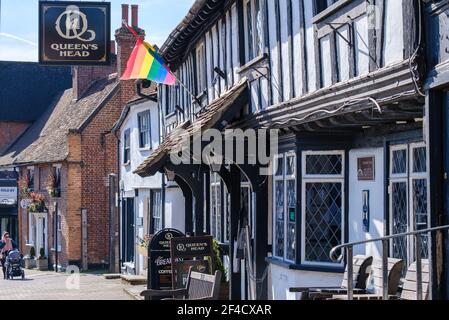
323,205
284,199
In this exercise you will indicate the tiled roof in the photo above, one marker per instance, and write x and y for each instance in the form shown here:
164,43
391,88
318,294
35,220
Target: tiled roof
46,140
27,89
208,119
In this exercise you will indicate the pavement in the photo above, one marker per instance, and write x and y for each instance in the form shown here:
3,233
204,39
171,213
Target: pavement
61,286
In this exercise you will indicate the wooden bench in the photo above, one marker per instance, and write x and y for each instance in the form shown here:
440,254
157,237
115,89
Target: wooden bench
199,286
361,270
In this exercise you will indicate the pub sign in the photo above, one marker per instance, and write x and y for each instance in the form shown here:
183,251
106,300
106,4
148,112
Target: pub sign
74,33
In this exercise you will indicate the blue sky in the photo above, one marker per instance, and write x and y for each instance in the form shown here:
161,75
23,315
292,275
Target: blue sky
19,23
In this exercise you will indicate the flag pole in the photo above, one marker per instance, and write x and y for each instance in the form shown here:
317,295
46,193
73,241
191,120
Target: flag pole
176,78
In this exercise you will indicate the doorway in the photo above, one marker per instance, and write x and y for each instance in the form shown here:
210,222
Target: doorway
128,231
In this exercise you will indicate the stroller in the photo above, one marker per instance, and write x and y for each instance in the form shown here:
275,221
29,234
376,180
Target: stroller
14,264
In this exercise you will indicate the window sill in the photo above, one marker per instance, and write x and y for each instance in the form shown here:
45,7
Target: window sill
145,149
330,10
253,63
300,267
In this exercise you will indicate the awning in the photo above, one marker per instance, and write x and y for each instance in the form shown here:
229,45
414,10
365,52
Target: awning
216,115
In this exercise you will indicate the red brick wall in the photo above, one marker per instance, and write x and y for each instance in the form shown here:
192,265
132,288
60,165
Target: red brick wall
9,132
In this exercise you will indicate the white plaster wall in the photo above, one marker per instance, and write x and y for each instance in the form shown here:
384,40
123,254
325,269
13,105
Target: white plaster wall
376,189
133,181
174,209
394,32
140,202
281,279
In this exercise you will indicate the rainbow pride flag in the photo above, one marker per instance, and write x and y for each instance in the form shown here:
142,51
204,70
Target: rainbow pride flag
145,63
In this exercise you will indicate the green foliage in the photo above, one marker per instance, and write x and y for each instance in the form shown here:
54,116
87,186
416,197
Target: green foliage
217,263
32,252
42,253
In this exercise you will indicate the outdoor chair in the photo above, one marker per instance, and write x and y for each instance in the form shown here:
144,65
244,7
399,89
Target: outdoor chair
199,286
361,271
409,286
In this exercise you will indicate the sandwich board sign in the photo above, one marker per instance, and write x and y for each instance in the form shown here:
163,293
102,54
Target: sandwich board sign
159,259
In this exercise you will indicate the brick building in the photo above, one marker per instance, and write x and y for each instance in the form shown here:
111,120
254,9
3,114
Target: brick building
72,150
18,82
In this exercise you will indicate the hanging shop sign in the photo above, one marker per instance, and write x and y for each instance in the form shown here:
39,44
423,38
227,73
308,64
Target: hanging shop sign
74,33
159,259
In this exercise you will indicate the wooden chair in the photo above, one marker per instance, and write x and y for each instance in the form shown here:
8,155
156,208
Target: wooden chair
375,289
409,286
361,268
199,286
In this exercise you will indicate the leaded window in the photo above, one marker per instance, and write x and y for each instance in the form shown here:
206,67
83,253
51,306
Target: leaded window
408,199
253,24
323,203
285,208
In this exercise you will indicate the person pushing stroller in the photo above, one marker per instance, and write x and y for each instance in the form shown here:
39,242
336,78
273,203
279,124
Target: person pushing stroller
6,245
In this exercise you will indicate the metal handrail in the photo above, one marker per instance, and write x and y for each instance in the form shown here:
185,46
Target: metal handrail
349,252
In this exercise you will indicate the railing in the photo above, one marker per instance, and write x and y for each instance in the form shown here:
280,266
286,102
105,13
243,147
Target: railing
385,240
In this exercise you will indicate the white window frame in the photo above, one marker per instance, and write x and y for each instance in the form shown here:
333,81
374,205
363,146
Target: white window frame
140,116
216,186
201,76
31,234
408,177
311,178
285,178
257,48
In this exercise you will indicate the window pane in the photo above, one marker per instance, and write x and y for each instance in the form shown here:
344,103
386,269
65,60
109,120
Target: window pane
419,160
279,216
290,170
400,220
279,169
324,164
399,165
420,211
249,20
259,26
323,219
291,224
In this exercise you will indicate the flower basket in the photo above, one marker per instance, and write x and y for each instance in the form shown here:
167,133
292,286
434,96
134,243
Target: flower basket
143,251
37,204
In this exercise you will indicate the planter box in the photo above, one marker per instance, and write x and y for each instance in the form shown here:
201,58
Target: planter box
41,264
30,263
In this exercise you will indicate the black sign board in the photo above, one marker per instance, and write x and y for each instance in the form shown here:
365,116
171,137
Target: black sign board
185,248
74,33
159,259
191,247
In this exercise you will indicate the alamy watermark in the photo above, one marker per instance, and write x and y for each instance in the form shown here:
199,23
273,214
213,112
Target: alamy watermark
237,146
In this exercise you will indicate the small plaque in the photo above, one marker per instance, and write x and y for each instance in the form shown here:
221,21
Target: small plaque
365,169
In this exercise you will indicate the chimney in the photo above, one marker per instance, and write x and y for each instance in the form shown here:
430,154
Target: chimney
134,15
125,39
125,12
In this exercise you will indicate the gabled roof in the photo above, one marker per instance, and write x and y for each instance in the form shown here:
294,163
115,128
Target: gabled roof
27,89
46,140
199,15
210,118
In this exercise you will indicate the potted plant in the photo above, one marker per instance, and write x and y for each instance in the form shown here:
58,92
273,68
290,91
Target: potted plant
217,264
52,189
30,262
143,245
24,187
42,261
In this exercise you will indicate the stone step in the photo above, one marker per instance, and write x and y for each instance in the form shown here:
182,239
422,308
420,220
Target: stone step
112,276
133,280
